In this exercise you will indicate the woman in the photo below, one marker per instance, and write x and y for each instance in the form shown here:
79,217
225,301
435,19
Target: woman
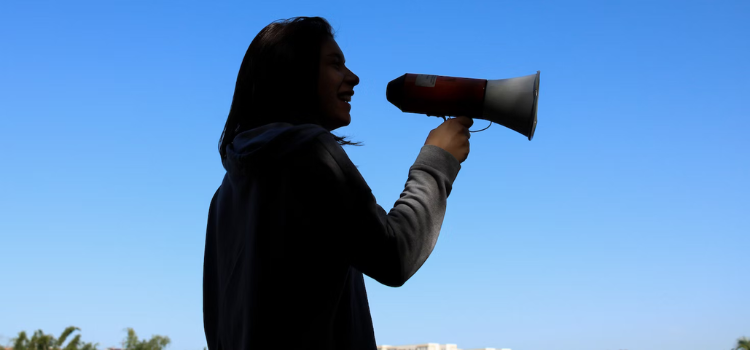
293,226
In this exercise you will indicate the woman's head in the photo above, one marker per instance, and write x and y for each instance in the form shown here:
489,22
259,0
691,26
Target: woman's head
292,72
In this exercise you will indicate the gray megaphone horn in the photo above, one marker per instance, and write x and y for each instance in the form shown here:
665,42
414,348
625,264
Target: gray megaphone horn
509,102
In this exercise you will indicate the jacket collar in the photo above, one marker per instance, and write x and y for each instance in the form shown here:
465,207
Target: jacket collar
251,148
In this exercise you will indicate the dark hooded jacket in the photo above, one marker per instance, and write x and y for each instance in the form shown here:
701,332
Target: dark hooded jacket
292,229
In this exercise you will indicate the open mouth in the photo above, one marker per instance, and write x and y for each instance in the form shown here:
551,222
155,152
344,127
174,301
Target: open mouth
346,96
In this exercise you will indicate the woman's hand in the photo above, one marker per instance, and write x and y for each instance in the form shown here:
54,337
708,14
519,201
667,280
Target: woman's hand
453,136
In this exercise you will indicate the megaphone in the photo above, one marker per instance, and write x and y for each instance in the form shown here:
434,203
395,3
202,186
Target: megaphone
508,102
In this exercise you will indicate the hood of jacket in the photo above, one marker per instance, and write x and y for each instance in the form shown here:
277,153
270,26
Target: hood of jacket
252,148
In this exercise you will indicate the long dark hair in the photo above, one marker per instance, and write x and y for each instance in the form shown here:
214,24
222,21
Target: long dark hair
278,78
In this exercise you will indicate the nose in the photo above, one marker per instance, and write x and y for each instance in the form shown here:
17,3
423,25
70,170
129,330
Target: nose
352,78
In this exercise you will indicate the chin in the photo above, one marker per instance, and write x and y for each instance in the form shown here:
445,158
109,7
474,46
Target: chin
346,120
339,122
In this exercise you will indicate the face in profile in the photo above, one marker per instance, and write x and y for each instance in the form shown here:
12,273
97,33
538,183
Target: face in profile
335,86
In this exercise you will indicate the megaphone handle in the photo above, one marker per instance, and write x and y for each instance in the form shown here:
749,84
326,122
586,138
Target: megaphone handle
482,129
442,116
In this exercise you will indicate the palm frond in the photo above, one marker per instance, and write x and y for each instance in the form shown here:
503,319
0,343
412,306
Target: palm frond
73,343
743,344
89,346
131,342
158,342
21,342
65,335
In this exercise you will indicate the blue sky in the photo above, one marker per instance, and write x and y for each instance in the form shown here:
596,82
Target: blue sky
624,224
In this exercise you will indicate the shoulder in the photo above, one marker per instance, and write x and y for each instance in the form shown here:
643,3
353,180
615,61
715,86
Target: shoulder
325,157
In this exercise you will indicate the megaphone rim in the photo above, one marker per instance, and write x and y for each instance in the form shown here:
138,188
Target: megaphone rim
534,108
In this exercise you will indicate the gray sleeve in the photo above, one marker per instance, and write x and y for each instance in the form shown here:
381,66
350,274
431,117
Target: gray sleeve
391,247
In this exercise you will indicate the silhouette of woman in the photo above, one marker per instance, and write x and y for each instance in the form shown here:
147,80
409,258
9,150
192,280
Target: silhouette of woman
294,226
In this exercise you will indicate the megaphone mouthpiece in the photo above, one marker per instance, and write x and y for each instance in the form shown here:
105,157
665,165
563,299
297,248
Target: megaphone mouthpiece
395,91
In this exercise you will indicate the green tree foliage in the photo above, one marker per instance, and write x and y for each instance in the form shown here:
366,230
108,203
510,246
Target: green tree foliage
156,342
41,341
742,344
